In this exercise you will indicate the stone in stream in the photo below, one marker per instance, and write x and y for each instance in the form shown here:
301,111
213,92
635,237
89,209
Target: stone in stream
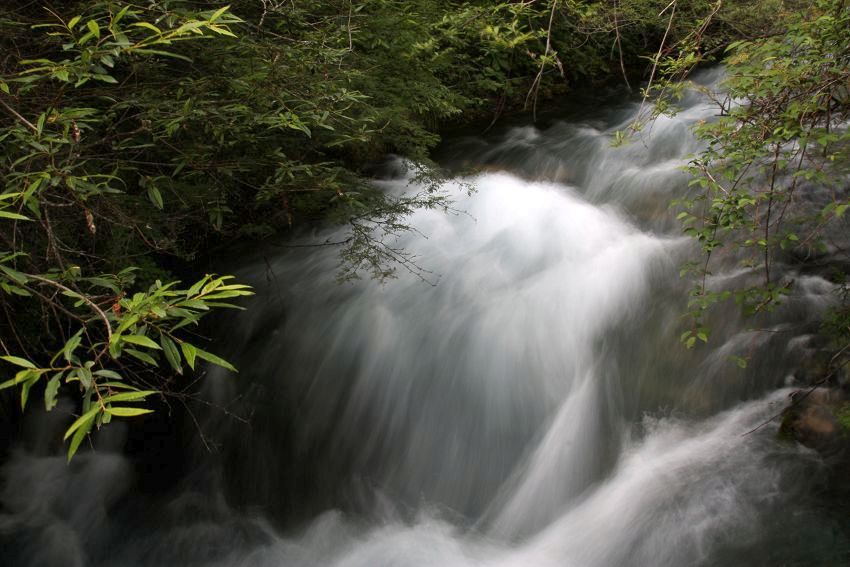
819,420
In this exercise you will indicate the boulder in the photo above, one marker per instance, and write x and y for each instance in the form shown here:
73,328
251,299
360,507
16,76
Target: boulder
819,419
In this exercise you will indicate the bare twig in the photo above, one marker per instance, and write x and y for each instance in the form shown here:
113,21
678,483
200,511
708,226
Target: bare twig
535,85
619,45
92,305
658,55
20,118
796,400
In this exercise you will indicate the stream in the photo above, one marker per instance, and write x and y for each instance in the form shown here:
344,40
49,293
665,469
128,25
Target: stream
524,400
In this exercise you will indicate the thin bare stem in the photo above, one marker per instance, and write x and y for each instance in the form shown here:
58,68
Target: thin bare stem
20,118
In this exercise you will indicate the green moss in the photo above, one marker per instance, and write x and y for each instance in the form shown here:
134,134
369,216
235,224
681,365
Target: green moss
842,414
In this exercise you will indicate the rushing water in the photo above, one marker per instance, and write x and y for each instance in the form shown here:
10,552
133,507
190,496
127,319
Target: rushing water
532,408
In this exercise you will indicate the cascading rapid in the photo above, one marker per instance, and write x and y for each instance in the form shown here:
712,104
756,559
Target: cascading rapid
527,403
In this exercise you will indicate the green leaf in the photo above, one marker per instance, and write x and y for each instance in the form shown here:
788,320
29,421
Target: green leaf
189,352
103,282
217,14
129,396
227,294
140,340
128,412
108,374
120,15
14,275
172,354
81,421
51,391
115,349
117,386
155,196
18,361
81,433
19,377
74,21
86,378
209,357
71,345
194,304
221,31
125,324
146,51
94,28
144,357
13,216
196,287
191,320
224,305
14,290
27,384
147,26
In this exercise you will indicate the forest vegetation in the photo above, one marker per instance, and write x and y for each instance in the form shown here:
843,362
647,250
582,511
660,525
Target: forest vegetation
138,138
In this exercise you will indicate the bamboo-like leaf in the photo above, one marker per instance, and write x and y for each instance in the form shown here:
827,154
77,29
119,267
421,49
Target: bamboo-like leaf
117,386
128,412
86,417
25,388
108,374
196,287
189,352
129,396
120,15
209,357
14,275
19,377
140,340
155,196
13,216
228,294
144,357
221,31
217,14
172,354
125,324
147,25
193,26
79,436
146,51
18,361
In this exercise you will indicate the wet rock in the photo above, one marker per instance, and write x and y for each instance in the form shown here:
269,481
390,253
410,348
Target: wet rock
819,419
